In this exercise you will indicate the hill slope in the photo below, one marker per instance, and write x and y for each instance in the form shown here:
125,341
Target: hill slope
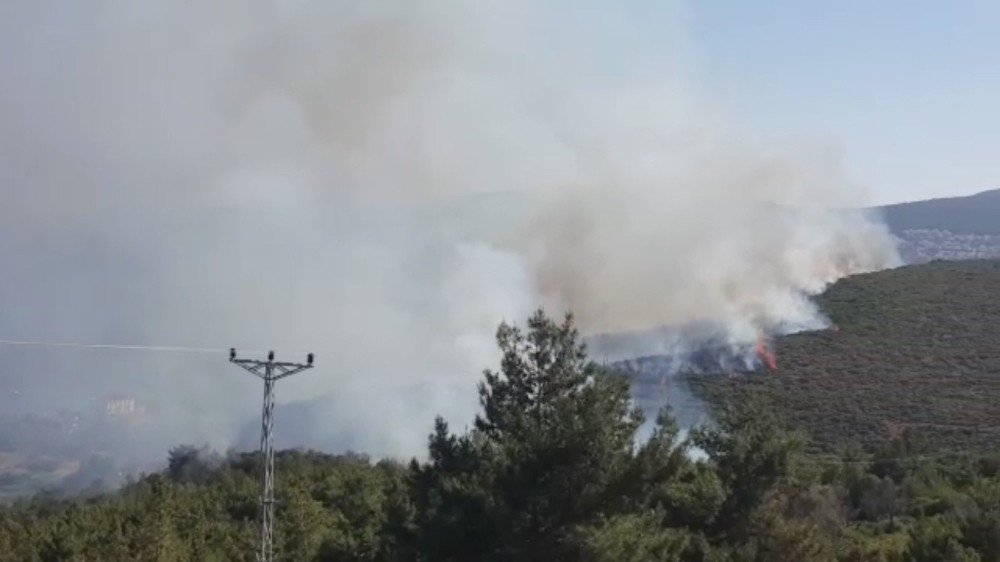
916,350
974,214
951,228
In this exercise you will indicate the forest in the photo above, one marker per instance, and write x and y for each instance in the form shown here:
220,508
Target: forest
910,350
550,470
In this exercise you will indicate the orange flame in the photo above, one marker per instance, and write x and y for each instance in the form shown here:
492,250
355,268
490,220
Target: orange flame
766,356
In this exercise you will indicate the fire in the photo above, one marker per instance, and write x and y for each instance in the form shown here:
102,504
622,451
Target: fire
765,355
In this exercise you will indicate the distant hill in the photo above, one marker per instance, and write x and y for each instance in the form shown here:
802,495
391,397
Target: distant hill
915,351
951,228
973,214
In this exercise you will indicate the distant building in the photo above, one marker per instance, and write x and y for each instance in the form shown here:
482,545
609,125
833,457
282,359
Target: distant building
126,409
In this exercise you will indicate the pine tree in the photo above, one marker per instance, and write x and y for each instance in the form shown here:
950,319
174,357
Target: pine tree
547,452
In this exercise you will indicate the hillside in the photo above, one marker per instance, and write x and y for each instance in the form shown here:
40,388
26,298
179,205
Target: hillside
915,350
950,228
974,214
551,471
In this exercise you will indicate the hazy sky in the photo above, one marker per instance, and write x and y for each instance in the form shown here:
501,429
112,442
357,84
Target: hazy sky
907,90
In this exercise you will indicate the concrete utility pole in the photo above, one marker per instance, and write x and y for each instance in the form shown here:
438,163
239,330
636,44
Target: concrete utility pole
270,371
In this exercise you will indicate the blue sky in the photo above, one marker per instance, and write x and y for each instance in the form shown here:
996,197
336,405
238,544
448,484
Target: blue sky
907,91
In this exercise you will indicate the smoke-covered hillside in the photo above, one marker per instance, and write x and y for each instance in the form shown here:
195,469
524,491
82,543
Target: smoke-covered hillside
550,472
914,351
317,177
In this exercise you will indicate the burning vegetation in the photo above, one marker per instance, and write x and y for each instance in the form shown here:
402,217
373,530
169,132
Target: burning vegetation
910,350
765,355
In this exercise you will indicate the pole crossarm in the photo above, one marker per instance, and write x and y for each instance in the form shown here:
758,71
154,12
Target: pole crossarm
270,371
279,370
257,368
289,369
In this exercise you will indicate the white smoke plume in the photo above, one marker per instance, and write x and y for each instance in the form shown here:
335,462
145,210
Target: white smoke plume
381,183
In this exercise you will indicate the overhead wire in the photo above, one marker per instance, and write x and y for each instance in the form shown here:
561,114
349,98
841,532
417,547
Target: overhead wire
116,346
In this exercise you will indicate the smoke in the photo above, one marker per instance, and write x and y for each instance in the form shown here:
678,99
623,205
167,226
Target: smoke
380,183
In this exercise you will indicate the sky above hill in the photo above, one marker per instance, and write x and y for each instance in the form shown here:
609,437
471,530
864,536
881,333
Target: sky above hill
905,90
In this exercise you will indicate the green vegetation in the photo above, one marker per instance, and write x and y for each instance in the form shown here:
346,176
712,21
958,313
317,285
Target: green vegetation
914,351
549,471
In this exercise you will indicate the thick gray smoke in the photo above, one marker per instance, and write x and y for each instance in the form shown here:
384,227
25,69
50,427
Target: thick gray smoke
381,183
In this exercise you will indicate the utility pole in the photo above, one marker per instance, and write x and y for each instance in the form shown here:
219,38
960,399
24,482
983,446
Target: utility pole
270,371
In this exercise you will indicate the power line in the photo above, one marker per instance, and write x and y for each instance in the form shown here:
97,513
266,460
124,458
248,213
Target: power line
81,345
118,346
